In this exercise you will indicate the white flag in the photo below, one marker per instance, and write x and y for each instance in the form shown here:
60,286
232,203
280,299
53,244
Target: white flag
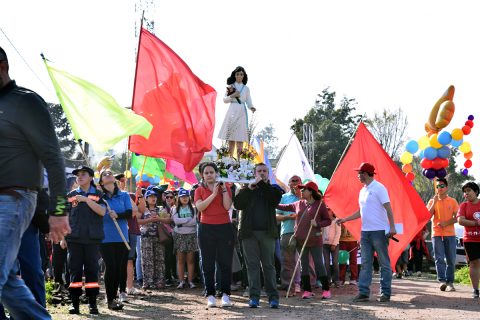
293,162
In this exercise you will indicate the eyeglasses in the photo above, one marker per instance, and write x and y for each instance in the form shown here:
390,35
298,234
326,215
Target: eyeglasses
441,186
107,173
169,197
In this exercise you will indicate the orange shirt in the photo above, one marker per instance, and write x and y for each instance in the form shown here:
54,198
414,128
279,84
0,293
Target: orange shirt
345,235
445,209
215,213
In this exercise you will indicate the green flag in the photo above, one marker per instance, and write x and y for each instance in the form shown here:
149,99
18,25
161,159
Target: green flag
153,166
93,114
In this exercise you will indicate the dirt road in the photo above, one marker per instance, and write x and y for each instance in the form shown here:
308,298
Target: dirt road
415,298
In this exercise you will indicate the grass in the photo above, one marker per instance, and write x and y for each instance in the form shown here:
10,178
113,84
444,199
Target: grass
462,275
49,287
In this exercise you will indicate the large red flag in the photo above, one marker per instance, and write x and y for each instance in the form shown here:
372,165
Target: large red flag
180,106
409,211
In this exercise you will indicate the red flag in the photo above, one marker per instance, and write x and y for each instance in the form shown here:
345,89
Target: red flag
409,211
180,106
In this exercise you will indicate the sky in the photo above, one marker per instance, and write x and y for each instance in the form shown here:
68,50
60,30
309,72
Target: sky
385,54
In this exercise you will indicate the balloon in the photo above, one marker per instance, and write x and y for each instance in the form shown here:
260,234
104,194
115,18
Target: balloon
466,130
469,123
465,172
343,256
150,175
426,163
430,153
437,163
444,138
127,174
430,173
137,178
468,155
156,180
465,147
471,117
406,168
434,141
412,146
443,152
96,175
410,176
442,111
323,184
406,157
457,134
423,142
468,163
144,177
442,173
445,164
456,143
134,171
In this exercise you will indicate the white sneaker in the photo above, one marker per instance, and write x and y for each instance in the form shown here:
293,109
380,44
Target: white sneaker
246,293
297,288
353,282
226,301
181,285
123,297
450,287
192,285
211,302
133,291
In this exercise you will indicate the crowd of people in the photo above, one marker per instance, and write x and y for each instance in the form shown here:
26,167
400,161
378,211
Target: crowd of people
217,234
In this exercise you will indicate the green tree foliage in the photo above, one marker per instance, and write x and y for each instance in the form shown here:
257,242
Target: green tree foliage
71,153
390,130
333,126
270,140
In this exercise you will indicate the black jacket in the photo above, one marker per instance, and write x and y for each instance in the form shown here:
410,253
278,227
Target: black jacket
86,225
28,142
244,201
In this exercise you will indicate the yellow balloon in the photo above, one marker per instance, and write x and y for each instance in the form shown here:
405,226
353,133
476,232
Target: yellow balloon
406,157
434,141
423,142
127,174
465,147
457,134
150,175
97,175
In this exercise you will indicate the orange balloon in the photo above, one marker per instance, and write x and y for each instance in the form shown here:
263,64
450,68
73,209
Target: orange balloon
467,155
406,168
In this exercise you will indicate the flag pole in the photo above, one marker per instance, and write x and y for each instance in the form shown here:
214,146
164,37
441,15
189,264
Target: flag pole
348,144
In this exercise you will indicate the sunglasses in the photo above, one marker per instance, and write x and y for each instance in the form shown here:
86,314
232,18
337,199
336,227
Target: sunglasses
294,181
440,186
169,197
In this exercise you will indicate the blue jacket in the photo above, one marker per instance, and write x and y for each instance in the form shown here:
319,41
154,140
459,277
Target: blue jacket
120,203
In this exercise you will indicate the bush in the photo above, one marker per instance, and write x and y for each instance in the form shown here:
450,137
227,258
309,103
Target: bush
49,287
462,275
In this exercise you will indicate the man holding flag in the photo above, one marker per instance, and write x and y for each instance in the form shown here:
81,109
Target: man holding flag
377,226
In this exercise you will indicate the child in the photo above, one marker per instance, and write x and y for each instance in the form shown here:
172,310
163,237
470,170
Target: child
331,239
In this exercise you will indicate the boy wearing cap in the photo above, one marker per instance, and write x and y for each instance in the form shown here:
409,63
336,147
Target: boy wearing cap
86,220
377,226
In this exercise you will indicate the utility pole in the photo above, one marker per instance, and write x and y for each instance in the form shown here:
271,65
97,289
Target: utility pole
308,143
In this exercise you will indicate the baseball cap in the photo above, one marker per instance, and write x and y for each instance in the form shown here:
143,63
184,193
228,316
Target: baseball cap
183,193
366,167
310,185
84,168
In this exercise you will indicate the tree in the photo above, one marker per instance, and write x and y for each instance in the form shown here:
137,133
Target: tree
389,128
333,127
70,150
270,140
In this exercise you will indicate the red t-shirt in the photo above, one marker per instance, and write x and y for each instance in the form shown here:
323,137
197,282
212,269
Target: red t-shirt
215,213
471,212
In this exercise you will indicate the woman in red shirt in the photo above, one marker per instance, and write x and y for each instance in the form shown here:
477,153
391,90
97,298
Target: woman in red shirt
469,217
215,232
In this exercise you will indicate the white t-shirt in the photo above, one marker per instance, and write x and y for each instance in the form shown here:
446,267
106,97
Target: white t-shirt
371,200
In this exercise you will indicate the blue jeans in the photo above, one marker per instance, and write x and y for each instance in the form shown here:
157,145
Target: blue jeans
375,241
15,217
445,248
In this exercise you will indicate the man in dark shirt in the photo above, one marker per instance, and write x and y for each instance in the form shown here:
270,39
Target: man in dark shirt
258,232
27,144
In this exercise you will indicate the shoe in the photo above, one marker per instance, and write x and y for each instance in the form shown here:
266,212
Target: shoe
384,298
218,294
353,282
336,284
191,285
211,302
307,295
181,285
114,305
475,294
443,286
274,304
450,287
297,288
133,291
361,298
75,308
123,297
418,274
342,283
326,294
246,293
168,283
226,301
263,294
92,305
253,303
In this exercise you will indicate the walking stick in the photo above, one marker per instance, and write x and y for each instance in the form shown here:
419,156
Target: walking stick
118,227
303,247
